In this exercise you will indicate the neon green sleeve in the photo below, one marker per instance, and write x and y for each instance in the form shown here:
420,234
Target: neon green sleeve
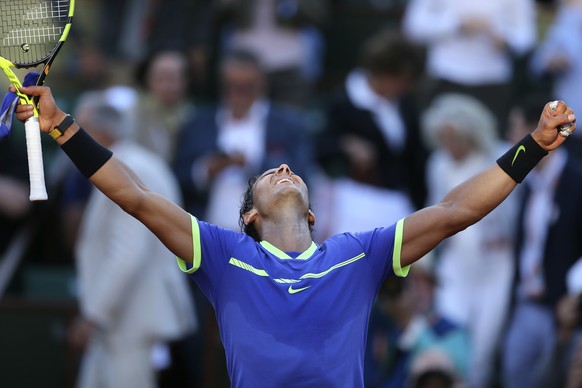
398,270
196,246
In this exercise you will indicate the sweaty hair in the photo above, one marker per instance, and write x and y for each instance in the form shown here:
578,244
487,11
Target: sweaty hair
246,205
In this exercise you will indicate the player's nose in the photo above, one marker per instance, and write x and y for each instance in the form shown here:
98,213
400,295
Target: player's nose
284,169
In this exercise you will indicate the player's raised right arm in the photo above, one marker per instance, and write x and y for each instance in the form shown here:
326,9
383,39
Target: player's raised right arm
473,199
170,223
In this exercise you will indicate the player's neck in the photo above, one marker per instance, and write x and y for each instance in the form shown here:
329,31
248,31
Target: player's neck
287,235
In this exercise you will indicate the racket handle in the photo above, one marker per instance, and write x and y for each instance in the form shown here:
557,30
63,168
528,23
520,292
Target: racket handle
35,163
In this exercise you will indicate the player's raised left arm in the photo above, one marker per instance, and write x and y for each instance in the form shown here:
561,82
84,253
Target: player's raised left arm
170,223
475,198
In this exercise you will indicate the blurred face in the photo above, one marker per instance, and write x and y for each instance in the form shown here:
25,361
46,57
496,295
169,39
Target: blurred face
242,86
454,143
167,78
390,85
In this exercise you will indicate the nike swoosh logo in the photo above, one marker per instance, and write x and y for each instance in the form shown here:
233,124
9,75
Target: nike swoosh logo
519,149
296,290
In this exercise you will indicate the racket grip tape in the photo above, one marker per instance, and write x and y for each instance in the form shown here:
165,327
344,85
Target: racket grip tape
35,161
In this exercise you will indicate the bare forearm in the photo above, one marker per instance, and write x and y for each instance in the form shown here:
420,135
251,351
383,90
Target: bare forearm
475,198
120,184
463,206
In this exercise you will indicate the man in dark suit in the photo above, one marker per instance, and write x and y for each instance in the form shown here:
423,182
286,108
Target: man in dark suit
371,142
547,245
223,145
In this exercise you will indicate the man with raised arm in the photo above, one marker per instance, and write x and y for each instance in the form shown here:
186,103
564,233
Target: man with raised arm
293,312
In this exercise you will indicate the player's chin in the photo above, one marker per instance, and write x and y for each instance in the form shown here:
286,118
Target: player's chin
287,188
290,191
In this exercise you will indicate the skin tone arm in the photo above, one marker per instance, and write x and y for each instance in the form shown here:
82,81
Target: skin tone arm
170,223
475,198
423,230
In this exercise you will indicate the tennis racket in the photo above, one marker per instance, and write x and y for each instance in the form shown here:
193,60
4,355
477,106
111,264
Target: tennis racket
32,32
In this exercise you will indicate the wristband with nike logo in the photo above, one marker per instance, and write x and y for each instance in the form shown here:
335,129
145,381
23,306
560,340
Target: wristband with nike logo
521,158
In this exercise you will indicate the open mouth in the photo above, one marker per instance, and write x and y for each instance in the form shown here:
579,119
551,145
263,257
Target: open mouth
284,180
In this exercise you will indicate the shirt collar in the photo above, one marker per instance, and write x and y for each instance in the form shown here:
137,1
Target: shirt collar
282,255
258,111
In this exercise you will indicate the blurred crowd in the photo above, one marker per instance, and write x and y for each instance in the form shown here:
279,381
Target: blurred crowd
382,106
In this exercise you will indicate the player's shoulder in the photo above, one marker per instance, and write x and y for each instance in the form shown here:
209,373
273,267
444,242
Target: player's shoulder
341,244
360,240
228,237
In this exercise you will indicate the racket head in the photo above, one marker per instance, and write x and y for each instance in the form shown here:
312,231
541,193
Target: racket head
32,31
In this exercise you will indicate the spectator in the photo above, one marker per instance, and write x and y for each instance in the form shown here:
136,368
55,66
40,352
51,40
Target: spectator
433,369
370,145
286,38
163,103
116,35
558,58
547,246
472,46
220,147
406,332
131,297
462,134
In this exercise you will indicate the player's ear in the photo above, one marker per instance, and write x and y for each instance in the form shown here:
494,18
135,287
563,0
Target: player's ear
250,216
310,218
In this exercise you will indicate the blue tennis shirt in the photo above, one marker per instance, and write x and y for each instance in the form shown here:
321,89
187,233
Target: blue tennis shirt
293,320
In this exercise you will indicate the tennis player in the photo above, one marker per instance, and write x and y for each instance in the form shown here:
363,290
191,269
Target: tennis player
293,313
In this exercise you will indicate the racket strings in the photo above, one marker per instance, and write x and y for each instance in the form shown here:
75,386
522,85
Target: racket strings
52,10
31,29
38,35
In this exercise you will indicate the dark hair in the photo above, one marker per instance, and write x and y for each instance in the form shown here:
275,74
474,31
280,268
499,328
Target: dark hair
242,57
389,52
434,377
246,205
143,67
